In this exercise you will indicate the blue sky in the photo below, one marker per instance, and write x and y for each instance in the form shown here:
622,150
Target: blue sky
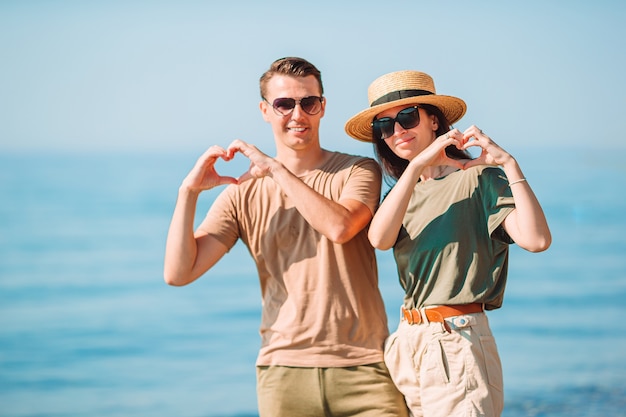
183,75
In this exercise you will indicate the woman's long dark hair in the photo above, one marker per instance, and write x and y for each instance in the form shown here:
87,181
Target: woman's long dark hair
393,166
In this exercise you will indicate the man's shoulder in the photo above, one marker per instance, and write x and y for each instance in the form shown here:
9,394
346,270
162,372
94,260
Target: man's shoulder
349,156
347,159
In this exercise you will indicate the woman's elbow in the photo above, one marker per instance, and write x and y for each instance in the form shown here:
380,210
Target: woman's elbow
545,244
539,245
378,242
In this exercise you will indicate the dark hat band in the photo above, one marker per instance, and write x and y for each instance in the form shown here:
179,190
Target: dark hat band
398,95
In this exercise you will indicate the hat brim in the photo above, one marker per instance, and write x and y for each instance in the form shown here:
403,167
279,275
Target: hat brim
360,125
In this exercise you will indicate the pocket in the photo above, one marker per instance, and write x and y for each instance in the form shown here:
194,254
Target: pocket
492,361
493,371
435,364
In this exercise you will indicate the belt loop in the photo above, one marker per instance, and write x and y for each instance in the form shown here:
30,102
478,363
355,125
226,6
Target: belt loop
423,315
405,315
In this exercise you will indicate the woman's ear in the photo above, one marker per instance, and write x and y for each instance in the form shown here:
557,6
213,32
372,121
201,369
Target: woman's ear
434,122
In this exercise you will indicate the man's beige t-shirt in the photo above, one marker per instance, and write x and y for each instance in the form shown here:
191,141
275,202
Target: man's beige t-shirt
321,302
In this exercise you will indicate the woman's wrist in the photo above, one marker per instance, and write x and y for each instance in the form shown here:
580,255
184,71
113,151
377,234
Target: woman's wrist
517,181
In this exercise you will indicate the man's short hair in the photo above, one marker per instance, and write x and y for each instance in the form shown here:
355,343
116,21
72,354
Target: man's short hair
291,66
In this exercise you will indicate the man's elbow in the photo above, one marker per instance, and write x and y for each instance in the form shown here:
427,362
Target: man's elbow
339,238
349,226
170,281
175,279
342,233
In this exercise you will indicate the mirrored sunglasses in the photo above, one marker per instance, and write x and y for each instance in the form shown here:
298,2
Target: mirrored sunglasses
310,105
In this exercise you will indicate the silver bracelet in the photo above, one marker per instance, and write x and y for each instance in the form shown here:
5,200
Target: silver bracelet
518,181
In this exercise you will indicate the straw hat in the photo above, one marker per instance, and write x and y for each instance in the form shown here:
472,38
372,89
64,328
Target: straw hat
398,88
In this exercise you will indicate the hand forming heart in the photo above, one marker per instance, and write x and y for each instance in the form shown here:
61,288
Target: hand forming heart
491,153
204,175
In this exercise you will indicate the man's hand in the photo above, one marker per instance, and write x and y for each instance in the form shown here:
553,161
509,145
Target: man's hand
261,165
203,175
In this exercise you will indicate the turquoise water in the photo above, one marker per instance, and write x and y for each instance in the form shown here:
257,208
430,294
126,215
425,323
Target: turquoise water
88,328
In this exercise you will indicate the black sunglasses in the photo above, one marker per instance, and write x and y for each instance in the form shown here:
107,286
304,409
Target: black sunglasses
385,126
284,106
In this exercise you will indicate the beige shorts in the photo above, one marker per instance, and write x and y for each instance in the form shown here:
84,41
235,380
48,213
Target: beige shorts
363,391
447,373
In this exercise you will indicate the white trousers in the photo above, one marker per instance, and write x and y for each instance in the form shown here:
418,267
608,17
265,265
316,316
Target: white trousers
447,373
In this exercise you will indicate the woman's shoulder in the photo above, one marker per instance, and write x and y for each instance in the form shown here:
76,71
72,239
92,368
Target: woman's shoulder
482,176
486,171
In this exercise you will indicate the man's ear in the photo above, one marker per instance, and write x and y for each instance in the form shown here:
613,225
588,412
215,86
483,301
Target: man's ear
265,108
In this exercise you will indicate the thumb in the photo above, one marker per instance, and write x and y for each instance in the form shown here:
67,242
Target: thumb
228,180
245,177
472,163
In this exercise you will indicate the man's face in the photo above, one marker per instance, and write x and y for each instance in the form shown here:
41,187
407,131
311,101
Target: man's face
297,130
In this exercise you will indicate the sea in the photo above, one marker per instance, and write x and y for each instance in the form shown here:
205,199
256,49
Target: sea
89,328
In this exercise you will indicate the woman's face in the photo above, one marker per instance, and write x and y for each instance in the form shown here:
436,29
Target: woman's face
407,142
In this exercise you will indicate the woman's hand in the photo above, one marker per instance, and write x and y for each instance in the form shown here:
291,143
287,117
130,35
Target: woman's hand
526,224
435,153
491,153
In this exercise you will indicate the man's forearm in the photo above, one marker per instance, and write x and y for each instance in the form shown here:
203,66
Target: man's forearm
181,248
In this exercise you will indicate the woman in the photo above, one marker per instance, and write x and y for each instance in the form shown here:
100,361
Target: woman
450,220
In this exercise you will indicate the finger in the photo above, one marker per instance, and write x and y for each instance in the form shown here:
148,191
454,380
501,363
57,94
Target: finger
245,177
472,128
230,154
237,146
227,180
471,143
450,138
213,152
458,139
241,145
209,157
216,150
454,133
472,163
473,131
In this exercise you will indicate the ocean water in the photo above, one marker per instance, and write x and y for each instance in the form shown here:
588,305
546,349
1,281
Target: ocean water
89,328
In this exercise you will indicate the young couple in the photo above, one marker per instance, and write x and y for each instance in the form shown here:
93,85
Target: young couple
311,220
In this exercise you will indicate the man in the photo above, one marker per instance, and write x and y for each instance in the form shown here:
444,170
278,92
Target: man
302,215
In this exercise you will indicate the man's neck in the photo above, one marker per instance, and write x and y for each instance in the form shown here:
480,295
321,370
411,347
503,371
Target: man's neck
301,162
